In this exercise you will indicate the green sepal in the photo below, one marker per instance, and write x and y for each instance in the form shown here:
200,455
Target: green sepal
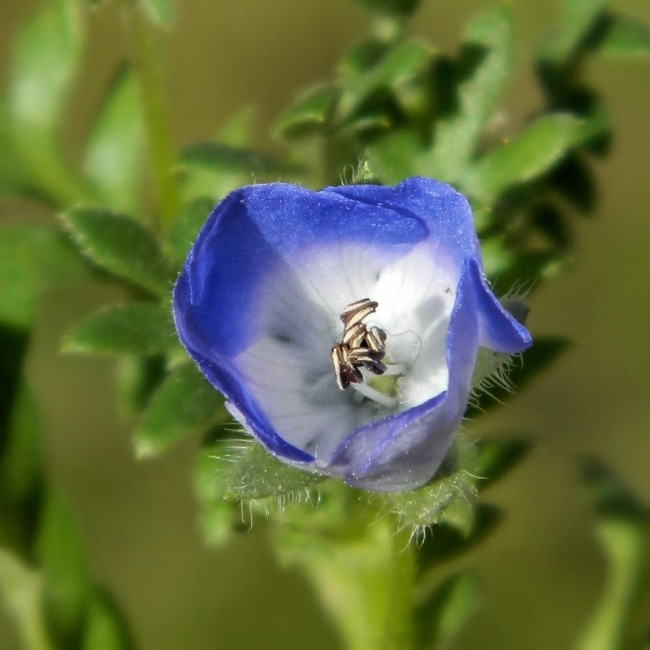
116,146
121,246
446,499
623,528
441,616
310,113
66,583
545,351
228,158
184,403
621,36
139,329
482,73
242,470
531,154
493,459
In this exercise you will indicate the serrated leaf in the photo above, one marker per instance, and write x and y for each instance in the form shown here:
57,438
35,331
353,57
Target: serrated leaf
66,584
160,10
139,329
187,225
115,148
214,155
534,152
623,36
623,527
443,614
309,114
120,245
544,352
238,470
495,458
184,403
32,258
484,68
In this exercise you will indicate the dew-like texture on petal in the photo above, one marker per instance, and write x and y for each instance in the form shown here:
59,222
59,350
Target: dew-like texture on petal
258,304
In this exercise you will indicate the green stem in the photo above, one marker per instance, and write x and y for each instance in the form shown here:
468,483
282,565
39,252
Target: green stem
150,79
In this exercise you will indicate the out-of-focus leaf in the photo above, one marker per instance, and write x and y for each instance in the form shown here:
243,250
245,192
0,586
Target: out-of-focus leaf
484,68
162,11
116,146
139,329
105,628
578,19
541,146
395,156
31,259
544,352
228,158
310,113
574,179
186,227
443,614
624,37
445,541
184,403
623,527
21,586
392,7
120,245
243,470
496,458
396,69
66,584
138,378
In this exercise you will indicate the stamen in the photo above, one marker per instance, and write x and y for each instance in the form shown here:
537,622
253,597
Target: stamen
375,395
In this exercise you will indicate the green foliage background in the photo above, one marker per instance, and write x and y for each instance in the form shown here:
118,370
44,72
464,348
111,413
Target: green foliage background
543,570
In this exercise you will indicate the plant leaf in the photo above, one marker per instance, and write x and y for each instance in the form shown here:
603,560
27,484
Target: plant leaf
228,158
484,68
534,152
115,148
187,225
495,458
162,11
120,245
105,627
139,329
624,37
309,114
184,403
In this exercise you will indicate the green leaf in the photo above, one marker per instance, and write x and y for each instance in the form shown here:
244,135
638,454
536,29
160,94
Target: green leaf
392,73
115,148
162,11
242,469
187,225
531,154
32,258
623,528
535,360
105,627
66,584
496,458
484,68
184,403
624,37
443,614
140,329
228,158
310,113
578,19
22,586
120,245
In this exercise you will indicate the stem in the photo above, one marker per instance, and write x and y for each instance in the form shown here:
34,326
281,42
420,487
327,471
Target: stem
150,79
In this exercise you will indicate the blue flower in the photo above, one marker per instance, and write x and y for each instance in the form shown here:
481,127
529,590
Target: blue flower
373,393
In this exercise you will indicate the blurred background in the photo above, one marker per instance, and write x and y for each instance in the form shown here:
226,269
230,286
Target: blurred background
542,571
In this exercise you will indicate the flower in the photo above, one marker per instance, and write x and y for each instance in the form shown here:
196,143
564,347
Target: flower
261,308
